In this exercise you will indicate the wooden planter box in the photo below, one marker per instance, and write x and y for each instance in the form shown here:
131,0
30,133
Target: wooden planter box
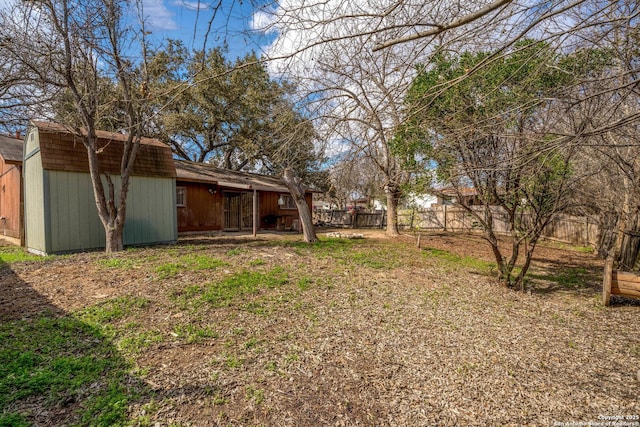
620,283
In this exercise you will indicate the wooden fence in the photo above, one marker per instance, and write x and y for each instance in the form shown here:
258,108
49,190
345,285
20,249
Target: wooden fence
344,218
565,228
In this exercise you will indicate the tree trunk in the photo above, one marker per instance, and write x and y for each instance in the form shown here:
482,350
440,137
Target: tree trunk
114,239
503,270
111,213
622,221
519,282
393,196
107,211
294,184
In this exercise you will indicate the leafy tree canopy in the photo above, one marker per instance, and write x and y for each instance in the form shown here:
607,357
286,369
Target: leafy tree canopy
485,121
232,114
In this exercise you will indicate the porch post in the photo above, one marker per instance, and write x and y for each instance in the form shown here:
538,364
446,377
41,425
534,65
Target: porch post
255,212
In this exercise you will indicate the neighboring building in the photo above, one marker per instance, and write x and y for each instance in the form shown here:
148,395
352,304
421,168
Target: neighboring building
369,204
467,195
421,201
321,205
11,189
361,203
209,199
60,213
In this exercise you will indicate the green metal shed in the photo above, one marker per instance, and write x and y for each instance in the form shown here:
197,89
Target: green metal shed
60,213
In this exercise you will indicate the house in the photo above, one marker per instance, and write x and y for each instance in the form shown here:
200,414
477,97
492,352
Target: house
60,213
422,201
321,205
208,198
464,195
359,204
11,189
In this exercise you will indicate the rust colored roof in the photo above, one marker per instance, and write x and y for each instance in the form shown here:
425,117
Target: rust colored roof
63,149
463,191
11,149
205,173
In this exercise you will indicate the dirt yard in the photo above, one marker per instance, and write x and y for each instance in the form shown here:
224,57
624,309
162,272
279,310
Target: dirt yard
236,330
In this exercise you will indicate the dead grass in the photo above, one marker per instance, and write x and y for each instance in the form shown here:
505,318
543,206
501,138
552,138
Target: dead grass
270,331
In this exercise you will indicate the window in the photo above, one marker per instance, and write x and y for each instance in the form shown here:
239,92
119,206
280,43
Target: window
287,202
181,193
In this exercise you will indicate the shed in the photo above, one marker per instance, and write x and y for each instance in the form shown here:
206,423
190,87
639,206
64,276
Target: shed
10,189
210,198
59,205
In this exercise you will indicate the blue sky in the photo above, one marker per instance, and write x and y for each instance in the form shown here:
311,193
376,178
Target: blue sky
188,20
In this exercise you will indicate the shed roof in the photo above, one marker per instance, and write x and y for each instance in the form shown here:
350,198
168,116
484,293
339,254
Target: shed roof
205,173
62,149
11,149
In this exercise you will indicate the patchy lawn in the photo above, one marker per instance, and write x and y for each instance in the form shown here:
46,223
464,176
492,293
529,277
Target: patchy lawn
231,330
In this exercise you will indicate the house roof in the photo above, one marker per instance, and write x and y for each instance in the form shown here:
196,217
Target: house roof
11,149
205,173
62,149
463,191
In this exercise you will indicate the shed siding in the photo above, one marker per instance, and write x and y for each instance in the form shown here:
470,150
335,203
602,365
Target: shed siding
34,202
74,220
75,224
32,143
151,212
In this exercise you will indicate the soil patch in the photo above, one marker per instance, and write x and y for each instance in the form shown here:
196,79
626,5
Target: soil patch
237,330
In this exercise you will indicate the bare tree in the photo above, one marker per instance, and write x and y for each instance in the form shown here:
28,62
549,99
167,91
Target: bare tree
355,94
607,103
333,41
354,177
69,48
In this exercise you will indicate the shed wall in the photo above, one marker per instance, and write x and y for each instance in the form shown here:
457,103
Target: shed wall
73,221
34,201
72,218
151,212
10,182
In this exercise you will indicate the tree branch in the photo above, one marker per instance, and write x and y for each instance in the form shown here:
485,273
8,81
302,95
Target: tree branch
442,28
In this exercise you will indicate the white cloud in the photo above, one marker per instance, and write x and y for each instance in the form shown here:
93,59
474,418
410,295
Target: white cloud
158,16
5,4
193,5
263,21
324,46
